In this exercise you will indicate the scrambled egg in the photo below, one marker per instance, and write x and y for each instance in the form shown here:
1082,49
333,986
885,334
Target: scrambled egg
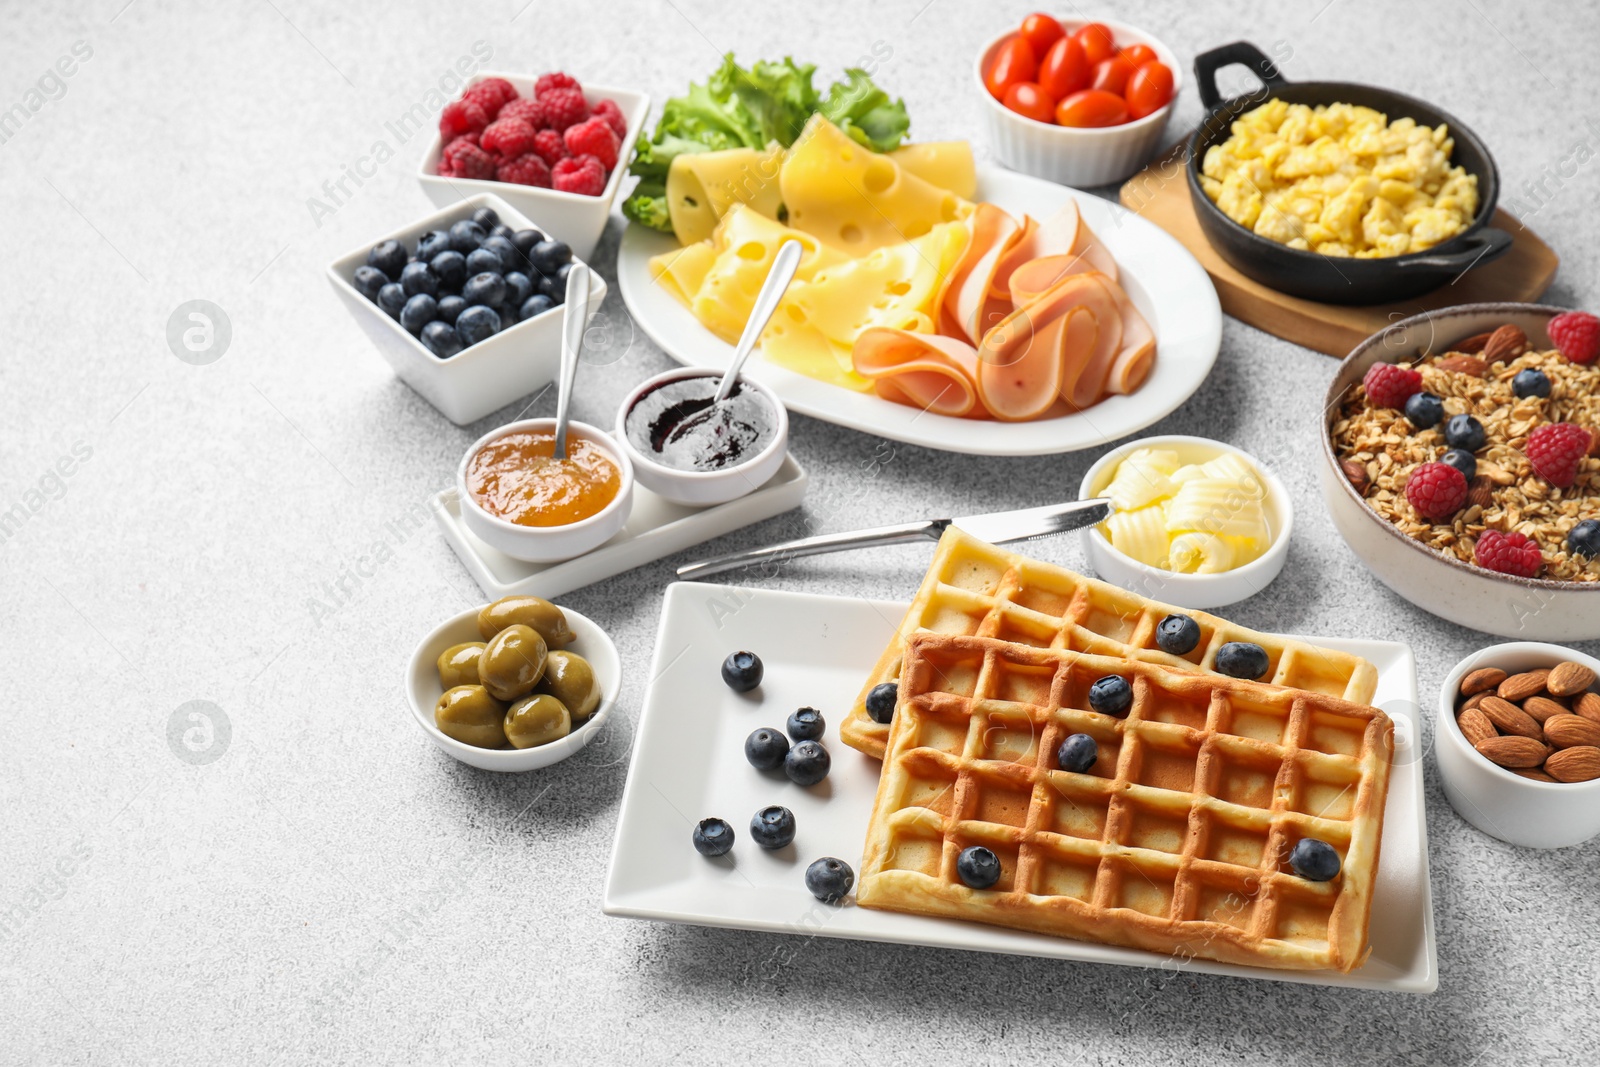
1340,180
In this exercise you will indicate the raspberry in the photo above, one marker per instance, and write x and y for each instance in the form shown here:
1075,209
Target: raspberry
509,138
466,160
593,138
550,146
461,116
526,109
491,94
1508,553
1555,451
1437,491
555,80
1576,334
1390,385
579,174
608,110
526,169
564,107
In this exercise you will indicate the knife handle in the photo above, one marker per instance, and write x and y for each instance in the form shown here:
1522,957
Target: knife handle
925,530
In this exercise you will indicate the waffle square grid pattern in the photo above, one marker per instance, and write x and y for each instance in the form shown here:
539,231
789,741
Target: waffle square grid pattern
1176,840
975,588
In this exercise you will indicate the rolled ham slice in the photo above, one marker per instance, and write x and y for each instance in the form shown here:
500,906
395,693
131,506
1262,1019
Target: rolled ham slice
966,291
926,371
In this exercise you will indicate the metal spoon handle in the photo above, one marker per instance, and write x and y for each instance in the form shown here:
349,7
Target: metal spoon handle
784,264
575,321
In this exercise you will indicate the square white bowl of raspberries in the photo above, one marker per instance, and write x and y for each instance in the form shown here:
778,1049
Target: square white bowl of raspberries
553,148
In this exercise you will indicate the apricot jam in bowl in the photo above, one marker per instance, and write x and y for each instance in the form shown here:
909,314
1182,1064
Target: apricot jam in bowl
518,499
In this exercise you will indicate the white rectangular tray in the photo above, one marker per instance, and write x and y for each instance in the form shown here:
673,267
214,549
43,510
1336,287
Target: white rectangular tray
688,764
655,528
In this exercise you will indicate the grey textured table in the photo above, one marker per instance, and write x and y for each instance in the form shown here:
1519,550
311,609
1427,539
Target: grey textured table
330,888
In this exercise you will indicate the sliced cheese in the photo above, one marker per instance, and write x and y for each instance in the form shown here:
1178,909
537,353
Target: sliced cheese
703,186
946,164
745,243
682,271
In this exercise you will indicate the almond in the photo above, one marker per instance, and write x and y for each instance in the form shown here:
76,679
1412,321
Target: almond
1356,472
1518,751
1569,679
1520,687
1472,344
1471,365
1482,679
1580,764
1534,773
1570,731
1475,726
1540,709
1480,494
1510,719
1505,344
1588,706
1473,701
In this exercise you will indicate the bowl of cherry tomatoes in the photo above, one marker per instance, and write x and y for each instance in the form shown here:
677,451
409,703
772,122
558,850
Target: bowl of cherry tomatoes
1074,101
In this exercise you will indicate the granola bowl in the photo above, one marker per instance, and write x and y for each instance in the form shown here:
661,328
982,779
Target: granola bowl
1433,565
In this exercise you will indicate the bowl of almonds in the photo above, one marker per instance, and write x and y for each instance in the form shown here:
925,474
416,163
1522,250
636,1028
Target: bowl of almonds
1519,743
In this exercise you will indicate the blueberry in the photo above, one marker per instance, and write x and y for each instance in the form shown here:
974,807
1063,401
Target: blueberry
486,218
432,243
1531,382
507,251
978,867
1177,635
537,304
465,236
1242,659
392,298
450,309
419,278
712,837
418,312
1584,539
518,288
487,289
830,880
389,257
1111,695
549,256
772,827
549,286
881,702
807,724
477,324
440,338
1077,753
526,239
1464,432
1463,461
450,268
508,315
484,261
1424,411
742,671
765,749
368,280
1314,860
807,763
500,229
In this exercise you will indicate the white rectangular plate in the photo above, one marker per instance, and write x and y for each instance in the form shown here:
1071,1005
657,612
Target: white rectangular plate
688,764
655,528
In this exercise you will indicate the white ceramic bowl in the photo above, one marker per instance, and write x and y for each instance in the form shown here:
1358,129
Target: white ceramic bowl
571,217
1462,593
477,380
548,544
1198,591
1515,809
423,690
705,488
1070,155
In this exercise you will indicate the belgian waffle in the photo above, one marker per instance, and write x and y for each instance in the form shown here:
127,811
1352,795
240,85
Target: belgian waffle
1176,840
972,587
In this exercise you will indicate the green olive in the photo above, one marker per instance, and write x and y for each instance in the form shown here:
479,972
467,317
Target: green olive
569,678
470,715
532,611
512,662
458,664
537,720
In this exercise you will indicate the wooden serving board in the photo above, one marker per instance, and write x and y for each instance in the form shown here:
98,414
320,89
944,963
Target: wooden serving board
1160,193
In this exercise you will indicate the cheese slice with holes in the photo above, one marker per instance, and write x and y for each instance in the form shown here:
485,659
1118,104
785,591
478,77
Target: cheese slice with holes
744,245
946,164
703,186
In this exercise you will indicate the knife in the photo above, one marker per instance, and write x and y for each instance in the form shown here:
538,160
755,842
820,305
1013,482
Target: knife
998,528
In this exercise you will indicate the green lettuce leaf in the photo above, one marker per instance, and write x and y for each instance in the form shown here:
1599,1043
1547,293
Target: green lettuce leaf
865,112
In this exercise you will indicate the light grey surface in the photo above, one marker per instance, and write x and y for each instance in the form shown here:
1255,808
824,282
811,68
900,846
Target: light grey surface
332,889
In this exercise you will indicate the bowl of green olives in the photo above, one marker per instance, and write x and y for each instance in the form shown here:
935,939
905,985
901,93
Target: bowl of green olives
516,685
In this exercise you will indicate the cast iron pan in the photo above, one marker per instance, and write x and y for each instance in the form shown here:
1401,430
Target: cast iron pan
1331,279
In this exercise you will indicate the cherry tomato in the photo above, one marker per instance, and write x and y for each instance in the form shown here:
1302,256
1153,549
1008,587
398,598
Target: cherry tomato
1112,75
1042,31
1097,42
1030,99
1140,54
1013,62
1149,89
1064,70
1092,107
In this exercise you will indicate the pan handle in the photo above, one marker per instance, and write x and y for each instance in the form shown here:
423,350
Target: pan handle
1206,65
1479,248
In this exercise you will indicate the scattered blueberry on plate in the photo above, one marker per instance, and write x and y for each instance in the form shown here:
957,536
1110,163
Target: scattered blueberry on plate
712,837
806,725
772,827
1177,635
830,880
807,763
765,749
1242,659
1584,539
1531,382
881,702
978,867
1111,695
1463,461
1078,753
1464,432
1424,411
1314,860
742,671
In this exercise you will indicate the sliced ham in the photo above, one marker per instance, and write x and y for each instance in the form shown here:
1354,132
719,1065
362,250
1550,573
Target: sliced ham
966,290
926,371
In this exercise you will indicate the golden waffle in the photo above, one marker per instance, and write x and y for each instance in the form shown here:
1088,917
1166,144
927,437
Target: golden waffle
1176,840
972,587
